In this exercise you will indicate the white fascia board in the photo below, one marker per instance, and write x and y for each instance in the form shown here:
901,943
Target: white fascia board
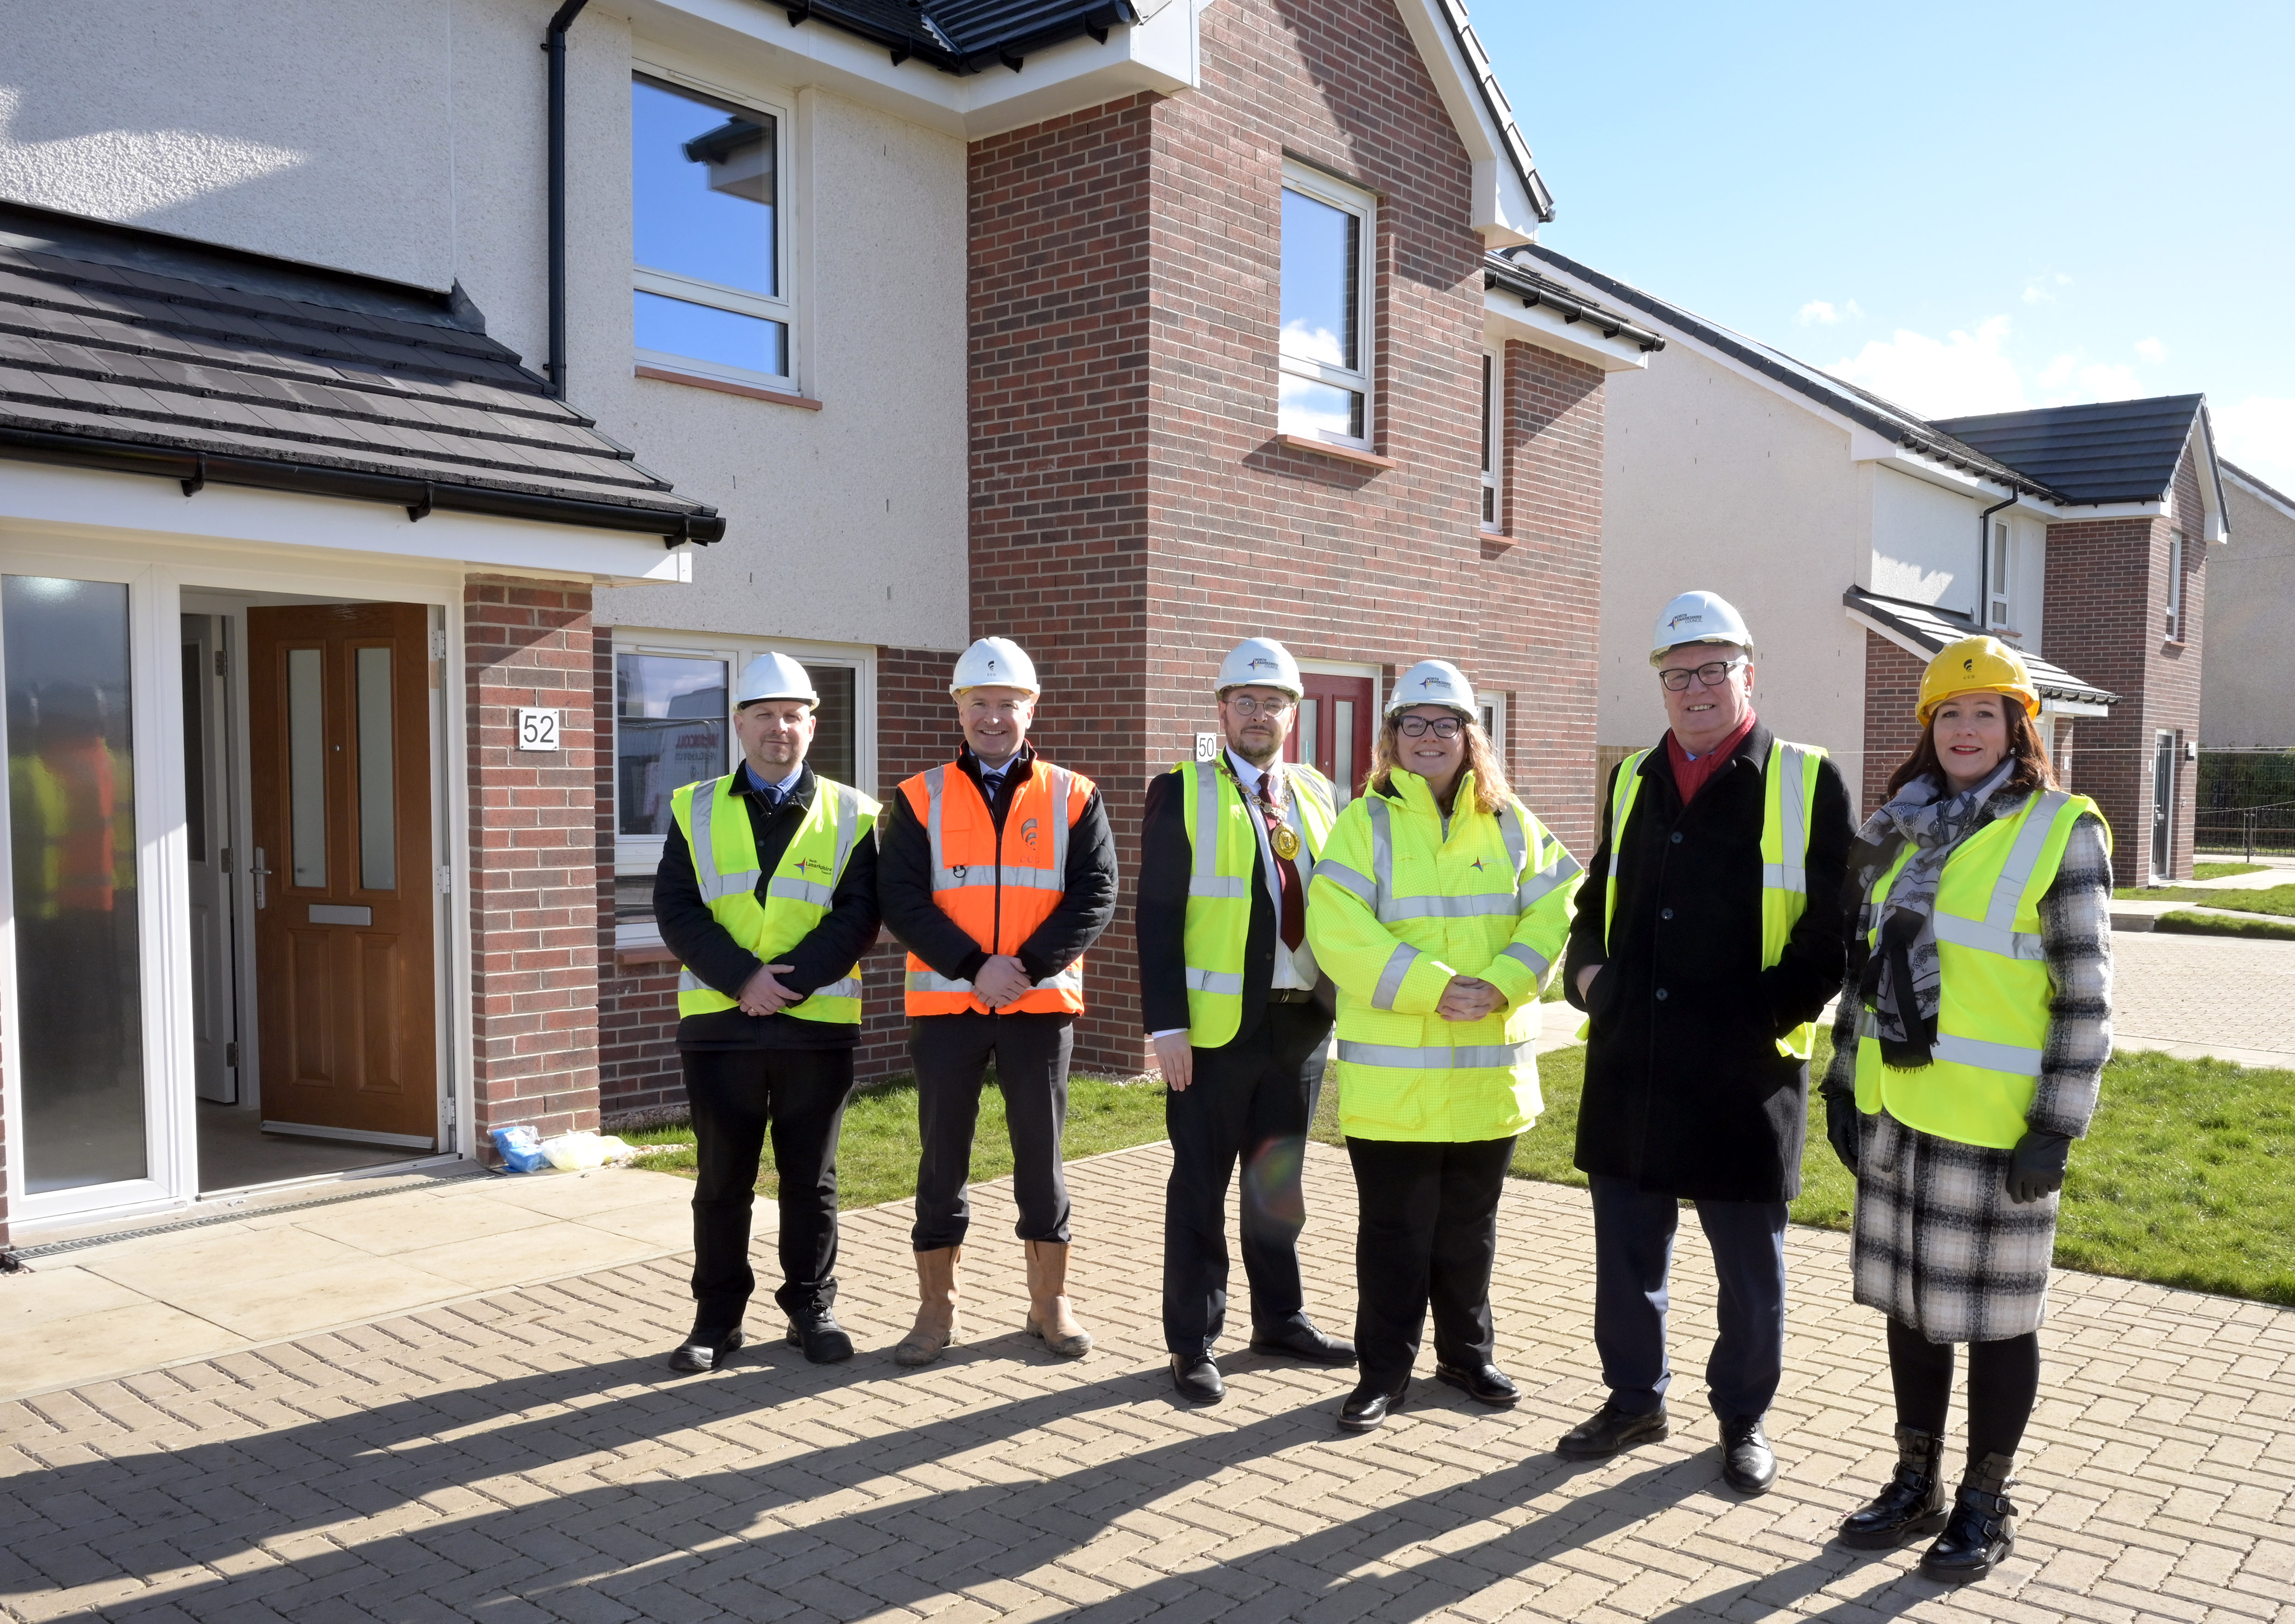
1866,446
1505,316
1159,54
1908,644
2215,526
2072,708
2263,493
58,498
1503,210
2075,513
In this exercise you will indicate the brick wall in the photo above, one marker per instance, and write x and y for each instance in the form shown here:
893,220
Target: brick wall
533,884
1893,688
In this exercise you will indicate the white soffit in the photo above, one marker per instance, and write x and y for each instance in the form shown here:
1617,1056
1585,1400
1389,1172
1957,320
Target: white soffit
1505,210
1504,316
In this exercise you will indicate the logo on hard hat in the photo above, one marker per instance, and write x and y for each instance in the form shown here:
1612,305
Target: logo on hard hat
1432,682
992,662
1685,619
1261,660
1028,832
1969,664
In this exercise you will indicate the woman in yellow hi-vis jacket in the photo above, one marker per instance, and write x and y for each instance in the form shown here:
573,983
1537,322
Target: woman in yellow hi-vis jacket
1974,1025
1439,908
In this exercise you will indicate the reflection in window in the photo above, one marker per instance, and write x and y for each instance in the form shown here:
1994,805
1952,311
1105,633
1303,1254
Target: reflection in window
1324,391
705,214
307,764
835,741
378,794
671,730
72,858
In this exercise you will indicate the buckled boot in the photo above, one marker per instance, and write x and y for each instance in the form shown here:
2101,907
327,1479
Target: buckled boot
1910,1506
1983,1527
935,1328
1050,1320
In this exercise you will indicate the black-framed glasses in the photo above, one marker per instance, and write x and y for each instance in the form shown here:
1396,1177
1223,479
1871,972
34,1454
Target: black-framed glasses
1418,727
1244,706
1710,675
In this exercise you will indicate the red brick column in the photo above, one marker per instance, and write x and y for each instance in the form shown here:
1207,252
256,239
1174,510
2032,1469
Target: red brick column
533,860
1893,688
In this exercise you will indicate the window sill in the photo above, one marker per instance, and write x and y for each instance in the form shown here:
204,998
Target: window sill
1344,453
695,380
641,944
1498,539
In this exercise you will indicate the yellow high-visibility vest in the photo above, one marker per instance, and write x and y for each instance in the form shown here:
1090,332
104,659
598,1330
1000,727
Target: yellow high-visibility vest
1786,820
1400,906
1992,1010
725,862
1223,835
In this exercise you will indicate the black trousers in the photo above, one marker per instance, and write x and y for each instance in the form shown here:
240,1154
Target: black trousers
1251,1101
1428,1236
952,1053
736,1095
1633,1254
2003,1383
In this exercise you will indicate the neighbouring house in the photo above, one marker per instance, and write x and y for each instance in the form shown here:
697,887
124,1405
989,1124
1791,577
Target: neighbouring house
2244,692
1858,538
405,435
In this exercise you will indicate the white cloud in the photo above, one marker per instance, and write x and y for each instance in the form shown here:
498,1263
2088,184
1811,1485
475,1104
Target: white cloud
1822,312
1960,374
2258,434
2042,289
2072,378
2151,350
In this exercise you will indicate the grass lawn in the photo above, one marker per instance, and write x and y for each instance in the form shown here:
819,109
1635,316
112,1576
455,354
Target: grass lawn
2191,922
2277,899
2225,870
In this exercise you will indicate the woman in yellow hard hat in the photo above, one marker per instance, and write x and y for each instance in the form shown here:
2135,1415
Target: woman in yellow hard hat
1973,1028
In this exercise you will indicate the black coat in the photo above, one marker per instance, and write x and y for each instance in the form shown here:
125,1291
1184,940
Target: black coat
1686,1093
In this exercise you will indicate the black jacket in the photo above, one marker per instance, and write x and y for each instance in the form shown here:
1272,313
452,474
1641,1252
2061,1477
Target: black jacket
1160,916
1686,1093
706,947
904,885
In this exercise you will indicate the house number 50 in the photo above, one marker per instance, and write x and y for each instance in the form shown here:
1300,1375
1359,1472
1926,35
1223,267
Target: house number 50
538,730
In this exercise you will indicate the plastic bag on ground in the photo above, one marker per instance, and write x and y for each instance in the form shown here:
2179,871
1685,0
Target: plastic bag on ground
520,1148
576,1152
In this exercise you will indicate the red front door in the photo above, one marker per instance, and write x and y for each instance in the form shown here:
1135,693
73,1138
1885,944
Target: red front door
1334,731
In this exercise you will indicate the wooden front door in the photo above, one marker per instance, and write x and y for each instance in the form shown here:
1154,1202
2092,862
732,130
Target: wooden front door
339,760
1334,731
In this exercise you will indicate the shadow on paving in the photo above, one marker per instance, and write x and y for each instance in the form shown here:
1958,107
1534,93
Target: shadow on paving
151,1517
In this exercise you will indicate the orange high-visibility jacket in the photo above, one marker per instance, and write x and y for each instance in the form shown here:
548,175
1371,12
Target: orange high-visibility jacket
998,885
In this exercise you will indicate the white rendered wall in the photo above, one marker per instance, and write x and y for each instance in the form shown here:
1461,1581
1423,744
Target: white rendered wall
2249,669
405,139
1711,480
1924,544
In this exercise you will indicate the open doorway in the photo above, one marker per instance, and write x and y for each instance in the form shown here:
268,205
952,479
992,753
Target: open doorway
307,741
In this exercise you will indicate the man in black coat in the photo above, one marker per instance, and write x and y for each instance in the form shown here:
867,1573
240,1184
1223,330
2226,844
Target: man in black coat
1689,1094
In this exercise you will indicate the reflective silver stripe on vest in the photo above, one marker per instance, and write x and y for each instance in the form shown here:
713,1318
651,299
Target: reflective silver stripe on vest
1390,979
1446,908
936,783
714,885
1988,1056
1339,874
848,824
2023,857
1526,956
1207,880
1518,839
1985,937
850,987
1215,980
1791,874
1299,784
1382,852
1055,877
1469,1056
1543,882
933,981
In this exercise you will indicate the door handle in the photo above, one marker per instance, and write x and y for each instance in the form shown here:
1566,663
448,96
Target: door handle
260,871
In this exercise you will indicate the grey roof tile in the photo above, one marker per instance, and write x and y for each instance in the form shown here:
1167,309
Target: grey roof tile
2112,451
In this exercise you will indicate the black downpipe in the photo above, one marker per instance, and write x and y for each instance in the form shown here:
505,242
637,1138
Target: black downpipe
554,45
1984,555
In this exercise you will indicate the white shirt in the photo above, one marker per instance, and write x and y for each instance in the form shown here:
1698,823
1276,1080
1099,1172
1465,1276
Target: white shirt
1293,971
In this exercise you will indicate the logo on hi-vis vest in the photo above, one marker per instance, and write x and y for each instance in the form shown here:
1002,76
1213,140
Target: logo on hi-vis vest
956,870
1476,865
806,865
1685,619
1028,832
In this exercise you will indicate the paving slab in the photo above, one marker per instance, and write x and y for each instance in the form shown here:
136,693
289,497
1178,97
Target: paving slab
521,1454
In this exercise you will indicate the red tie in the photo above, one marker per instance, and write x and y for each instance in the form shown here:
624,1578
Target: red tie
1294,929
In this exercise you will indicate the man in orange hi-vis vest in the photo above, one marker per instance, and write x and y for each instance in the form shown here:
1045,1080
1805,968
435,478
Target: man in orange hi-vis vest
996,871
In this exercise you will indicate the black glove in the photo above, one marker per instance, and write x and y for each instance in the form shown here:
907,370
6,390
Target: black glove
2036,1167
1841,1125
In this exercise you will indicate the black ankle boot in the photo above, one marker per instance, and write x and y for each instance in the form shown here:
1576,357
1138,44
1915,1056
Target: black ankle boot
1911,1505
1983,1530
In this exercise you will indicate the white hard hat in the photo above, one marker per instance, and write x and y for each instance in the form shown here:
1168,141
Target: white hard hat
1432,682
994,662
1698,617
1260,662
774,676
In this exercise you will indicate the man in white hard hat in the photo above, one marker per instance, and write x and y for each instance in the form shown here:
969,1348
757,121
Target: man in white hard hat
767,894
1719,939
996,871
1227,984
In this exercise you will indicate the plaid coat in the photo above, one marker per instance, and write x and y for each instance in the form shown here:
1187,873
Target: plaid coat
1938,1246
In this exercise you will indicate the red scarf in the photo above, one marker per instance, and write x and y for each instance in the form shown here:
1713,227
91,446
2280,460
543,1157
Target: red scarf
1689,776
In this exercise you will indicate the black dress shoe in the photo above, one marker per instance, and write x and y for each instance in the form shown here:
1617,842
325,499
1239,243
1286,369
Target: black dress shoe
706,1349
1610,1430
1483,1383
1982,1531
823,1340
1197,1378
1371,1404
1304,1342
1748,1465
1911,1504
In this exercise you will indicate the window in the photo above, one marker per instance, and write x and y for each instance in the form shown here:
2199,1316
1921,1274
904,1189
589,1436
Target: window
1325,352
672,727
1493,708
706,184
2175,587
1493,439
1997,573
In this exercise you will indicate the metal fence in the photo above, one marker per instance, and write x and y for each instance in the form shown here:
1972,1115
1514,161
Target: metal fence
2246,830
2246,802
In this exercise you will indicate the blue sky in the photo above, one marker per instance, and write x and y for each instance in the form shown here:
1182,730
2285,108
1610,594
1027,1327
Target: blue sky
1963,208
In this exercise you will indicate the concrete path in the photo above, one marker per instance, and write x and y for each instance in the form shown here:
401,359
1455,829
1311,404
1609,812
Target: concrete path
523,1456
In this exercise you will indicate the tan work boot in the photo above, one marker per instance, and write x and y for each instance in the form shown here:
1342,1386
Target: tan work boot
1050,1317
935,1327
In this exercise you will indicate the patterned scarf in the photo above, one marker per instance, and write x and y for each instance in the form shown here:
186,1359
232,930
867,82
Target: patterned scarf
1901,979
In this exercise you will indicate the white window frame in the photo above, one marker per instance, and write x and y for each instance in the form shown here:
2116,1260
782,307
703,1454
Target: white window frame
1493,497
635,855
741,301
2175,587
2000,579
1326,189
1493,708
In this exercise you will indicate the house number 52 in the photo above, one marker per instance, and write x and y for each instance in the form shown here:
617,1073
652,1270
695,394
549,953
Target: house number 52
538,730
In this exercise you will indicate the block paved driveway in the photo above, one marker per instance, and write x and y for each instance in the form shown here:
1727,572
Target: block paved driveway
2208,992
524,1457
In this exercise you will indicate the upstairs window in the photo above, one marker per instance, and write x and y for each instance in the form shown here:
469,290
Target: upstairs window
2176,586
1999,571
1325,355
1493,439
704,208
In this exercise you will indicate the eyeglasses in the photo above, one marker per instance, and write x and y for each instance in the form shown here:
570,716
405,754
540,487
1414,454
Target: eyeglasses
1418,727
1677,681
1244,706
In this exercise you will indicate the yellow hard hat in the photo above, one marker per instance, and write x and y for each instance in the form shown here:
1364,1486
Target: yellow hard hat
1976,664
